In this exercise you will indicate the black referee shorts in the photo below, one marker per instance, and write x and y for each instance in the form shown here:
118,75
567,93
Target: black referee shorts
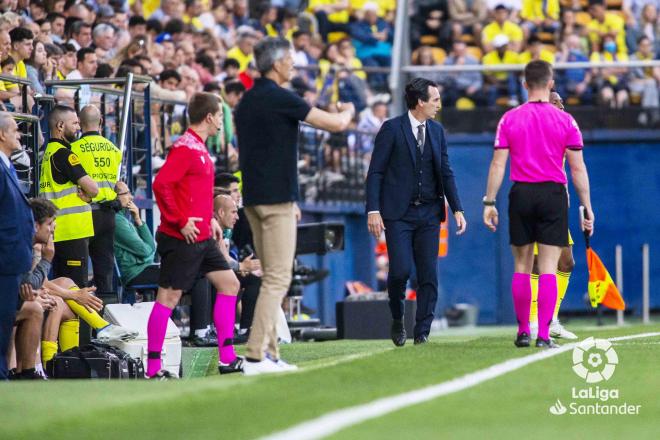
181,263
538,212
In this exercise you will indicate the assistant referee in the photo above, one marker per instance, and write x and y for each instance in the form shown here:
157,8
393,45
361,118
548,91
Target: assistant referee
101,159
538,136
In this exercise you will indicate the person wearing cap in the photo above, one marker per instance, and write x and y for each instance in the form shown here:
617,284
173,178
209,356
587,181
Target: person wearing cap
504,26
501,82
245,40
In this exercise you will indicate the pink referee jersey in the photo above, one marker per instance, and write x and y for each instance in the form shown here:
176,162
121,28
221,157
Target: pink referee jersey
537,135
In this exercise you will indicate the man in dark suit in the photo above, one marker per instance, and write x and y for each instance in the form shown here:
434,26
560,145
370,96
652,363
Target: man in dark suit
16,230
408,180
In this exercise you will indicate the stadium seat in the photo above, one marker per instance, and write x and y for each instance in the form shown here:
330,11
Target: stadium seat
582,18
468,38
572,100
546,37
439,55
475,52
148,290
429,40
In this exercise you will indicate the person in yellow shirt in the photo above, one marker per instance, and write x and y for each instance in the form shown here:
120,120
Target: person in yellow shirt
21,50
502,26
605,23
501,82
611,82
535,51
644,81
331,15
243,51
194,9
540,16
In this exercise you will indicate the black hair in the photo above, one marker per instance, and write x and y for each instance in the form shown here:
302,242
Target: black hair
223,180
19,34
42,209
136,20
231,62
80,56
418,89
234,87
169,73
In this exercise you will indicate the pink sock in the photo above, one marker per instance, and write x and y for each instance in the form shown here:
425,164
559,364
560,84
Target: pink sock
547,301
156,328
521,289
224,317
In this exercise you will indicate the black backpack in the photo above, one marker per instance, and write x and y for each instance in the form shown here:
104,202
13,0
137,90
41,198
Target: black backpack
94,361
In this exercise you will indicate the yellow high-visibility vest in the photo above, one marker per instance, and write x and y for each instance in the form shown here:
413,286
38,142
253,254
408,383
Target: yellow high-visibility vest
74,215
101,159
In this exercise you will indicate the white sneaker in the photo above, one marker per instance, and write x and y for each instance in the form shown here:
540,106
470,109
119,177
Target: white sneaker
264,367
533,330
558,331
116,333
285,366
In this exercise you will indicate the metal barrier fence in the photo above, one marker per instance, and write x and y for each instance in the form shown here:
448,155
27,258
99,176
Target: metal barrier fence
333,166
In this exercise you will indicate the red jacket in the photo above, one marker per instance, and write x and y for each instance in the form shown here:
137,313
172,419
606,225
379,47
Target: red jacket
184,187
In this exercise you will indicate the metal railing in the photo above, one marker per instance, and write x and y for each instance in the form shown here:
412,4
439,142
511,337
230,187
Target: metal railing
332,167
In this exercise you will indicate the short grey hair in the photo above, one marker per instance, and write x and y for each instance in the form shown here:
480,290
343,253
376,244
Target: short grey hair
5,117
101,29
268,51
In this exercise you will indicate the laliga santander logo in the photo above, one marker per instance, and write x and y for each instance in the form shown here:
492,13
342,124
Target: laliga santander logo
594,360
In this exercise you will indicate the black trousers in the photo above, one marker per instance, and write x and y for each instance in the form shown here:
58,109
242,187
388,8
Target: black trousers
201,311
71,260
101,249
249,293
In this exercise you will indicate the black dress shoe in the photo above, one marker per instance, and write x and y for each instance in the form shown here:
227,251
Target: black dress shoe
207,340
398,333
522,340
546,343
421,339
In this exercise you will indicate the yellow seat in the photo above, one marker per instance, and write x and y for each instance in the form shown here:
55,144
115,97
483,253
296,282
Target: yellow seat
572,100
439,55
428,40
334,37
475,52
467,38
582,18
546,37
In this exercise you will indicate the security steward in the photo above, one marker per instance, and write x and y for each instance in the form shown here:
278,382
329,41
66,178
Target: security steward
65,182
101,159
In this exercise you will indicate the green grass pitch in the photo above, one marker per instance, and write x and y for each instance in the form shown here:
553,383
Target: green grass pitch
340,374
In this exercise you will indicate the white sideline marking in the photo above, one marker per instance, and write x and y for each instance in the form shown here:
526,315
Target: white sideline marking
335,421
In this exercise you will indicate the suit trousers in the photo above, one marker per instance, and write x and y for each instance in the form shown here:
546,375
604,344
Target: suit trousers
9,291
274,232
413,240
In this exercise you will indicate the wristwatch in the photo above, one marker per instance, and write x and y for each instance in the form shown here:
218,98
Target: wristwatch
487,202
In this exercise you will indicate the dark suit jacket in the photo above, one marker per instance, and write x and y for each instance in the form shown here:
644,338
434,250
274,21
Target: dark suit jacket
391,177
16,226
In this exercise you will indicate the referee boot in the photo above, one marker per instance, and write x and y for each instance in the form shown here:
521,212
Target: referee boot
398,332
546,343
235,366
522,340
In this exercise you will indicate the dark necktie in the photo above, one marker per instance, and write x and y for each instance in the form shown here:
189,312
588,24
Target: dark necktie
420,138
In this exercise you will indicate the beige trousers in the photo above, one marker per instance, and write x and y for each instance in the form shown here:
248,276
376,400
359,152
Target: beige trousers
274,233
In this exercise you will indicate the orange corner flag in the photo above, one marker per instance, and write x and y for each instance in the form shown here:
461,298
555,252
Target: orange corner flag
602,289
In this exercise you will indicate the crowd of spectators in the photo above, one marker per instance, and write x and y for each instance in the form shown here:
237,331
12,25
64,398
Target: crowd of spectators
492,32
